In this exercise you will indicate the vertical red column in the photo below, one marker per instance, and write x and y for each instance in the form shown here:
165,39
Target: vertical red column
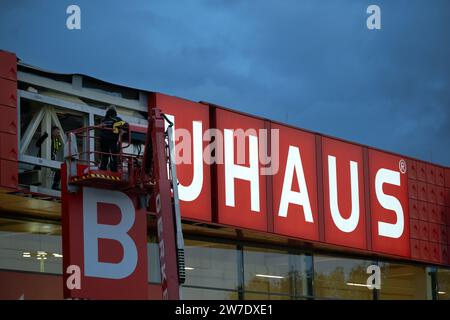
162,202
8,120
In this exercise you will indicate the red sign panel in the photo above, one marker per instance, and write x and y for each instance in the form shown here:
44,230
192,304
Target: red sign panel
295,185
290,193
191,121
389,203
343,185
241,188
104,245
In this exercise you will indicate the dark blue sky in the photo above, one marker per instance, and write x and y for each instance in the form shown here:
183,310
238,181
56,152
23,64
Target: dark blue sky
310,63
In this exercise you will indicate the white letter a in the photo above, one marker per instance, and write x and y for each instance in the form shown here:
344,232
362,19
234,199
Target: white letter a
294,163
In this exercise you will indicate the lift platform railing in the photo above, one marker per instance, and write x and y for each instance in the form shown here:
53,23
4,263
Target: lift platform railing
128,174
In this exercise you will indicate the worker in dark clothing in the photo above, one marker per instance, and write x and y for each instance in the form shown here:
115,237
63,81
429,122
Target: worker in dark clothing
109,138
56,148
55,152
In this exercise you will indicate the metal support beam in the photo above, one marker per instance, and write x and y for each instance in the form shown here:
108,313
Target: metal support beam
76,106
31,129
39,161
57,123
91,139
46,146
77,82
71,89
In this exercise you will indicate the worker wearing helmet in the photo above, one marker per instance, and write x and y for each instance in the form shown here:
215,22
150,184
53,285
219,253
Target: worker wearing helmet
109,138
56,146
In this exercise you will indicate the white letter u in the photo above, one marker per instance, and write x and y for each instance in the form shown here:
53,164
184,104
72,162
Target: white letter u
350,224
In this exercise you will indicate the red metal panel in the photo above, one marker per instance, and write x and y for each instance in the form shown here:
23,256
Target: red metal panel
81,223
447,177
295,144
440,176
415,228
440,195
8,65
413,189
444,254
240,213
344,154
435,232
30,286
431,173
8,92
435,252
269,183
441,214
320,187
188,116
9,173
421,171
162,201
8,146
413,209
8,119
389,164
424,230
433,213
412,169
367,198
422,191
447,197
431,192
415,249
443,233
447,216
424,250
423,211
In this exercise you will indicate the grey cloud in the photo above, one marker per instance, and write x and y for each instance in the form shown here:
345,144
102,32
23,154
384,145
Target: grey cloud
309,63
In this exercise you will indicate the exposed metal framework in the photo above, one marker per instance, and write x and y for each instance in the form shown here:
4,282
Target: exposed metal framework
75,106
77,89
46,117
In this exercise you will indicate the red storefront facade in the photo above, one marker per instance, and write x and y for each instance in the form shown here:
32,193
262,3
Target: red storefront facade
418,190
318,193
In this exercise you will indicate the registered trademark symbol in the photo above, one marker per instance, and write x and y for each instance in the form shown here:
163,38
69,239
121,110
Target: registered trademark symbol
402,166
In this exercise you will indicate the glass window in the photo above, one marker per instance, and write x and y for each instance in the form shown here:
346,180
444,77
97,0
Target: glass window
207,294
30,246
265,296
341,278
443,284
212,265
302,274
267,271
404,282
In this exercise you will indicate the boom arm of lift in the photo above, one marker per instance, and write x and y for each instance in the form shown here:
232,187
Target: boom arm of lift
156,184
159,164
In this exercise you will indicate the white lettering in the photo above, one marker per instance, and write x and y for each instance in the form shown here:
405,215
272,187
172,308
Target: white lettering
294,164
349,224
390,203
233,171
94,231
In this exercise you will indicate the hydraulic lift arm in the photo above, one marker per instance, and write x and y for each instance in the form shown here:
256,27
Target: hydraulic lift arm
158,160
